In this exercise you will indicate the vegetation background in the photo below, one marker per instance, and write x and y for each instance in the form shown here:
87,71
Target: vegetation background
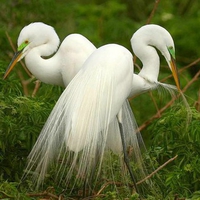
162,121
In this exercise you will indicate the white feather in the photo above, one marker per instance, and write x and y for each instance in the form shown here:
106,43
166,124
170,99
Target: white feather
85,121
79,122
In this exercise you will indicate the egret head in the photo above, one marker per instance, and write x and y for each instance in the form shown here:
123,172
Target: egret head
34,35
158,37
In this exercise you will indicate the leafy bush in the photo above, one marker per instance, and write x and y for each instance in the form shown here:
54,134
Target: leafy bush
21,120
173,135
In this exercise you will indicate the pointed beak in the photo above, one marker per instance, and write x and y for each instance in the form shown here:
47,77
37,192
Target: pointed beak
13,62
175,73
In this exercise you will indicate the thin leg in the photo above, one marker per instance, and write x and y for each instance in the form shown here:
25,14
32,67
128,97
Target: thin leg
126,159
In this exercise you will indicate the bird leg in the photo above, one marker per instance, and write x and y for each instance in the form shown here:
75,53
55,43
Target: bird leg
126,159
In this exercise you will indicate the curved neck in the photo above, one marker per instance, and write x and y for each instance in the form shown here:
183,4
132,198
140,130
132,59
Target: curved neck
46,70
151,63
148,76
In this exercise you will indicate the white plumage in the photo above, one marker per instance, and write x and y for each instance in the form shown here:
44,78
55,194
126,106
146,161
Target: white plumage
87,119
80,119
37,41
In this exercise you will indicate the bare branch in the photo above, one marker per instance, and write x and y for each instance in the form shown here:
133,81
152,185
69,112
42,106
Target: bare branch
153,11
14,49
37,85
159,168
182,69
43,194
158,114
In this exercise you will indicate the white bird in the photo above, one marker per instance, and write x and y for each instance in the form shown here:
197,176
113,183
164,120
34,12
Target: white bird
38,40
93,115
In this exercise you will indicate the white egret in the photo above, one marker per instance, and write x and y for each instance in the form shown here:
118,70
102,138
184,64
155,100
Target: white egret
93,113
38,40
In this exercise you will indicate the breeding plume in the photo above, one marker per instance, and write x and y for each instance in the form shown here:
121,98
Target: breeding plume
38,40
92,116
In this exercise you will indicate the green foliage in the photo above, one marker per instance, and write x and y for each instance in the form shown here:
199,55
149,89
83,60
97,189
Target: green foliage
101,21
21,120
174,135
8,190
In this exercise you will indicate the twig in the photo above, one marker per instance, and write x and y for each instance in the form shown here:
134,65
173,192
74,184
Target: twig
159,168
163,80
141,181
10,41
148,21
182,69
195,78
21,77
158,114
43,194
14,49
155,104
179,71
153,11
24,83
37,85
106,184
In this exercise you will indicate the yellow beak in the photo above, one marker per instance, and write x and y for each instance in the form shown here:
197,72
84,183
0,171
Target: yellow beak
13,62
175,73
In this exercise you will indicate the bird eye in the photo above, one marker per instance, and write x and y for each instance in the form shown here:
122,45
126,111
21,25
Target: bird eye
171,51
23,45
170,48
